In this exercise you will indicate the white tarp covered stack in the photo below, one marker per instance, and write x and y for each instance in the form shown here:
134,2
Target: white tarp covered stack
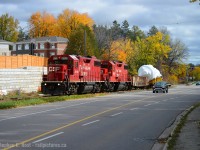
149,71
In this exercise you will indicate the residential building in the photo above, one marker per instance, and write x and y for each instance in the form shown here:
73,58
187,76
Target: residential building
42,46
5,47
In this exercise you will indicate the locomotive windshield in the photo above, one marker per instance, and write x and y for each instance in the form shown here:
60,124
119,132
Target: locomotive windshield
56,60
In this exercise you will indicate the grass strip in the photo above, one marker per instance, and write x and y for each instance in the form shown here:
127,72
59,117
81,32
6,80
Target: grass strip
177,130
42,100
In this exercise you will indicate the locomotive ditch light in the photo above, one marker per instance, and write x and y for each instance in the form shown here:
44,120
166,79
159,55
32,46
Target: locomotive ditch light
58,84
45,84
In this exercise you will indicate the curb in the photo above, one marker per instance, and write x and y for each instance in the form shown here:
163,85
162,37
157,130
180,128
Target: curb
162,141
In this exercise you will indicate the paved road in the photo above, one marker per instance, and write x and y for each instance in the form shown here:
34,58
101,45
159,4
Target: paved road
124,120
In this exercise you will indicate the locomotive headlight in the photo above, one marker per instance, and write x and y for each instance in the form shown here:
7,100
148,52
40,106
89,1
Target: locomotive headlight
58,84
45,84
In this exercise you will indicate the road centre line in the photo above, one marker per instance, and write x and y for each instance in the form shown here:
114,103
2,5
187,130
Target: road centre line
90,122
116,114
48,137
72,123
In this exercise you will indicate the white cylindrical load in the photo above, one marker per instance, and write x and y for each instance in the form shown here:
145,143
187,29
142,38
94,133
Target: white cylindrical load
149,71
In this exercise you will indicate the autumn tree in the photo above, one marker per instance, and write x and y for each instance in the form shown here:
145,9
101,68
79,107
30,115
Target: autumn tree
77,43
120,50
150,50
103,38
42,24
177,55
8,28
69,20
192,1
195,73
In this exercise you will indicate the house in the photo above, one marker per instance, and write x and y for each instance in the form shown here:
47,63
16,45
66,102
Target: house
42,46
5,47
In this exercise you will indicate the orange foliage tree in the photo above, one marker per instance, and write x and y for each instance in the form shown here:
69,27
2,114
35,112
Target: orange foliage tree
45,24
119,50
42,24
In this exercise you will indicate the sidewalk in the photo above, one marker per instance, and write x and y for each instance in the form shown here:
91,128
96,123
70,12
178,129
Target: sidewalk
189,138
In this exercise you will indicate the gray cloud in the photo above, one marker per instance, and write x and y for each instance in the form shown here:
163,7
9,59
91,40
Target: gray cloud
180,17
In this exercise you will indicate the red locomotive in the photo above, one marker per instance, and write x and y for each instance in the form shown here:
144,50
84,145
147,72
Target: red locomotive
70,74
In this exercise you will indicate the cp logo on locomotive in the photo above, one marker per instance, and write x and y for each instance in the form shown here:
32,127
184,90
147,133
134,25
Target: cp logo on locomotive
51,69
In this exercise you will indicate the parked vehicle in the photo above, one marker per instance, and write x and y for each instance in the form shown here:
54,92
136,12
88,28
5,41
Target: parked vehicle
160,87
198,83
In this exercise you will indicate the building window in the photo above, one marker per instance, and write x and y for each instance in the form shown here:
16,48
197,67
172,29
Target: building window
4,53
41,45
36,46
41,54
36,54
26,46
53,45
19,47
52,53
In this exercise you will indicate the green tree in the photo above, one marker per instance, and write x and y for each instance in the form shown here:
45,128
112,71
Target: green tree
152,31
22,35
125,28
77,45
116,31
8,28
136,33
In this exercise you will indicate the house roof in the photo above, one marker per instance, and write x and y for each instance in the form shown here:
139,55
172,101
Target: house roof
6,42
51,39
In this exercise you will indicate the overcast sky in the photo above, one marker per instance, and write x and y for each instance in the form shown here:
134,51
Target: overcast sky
180,17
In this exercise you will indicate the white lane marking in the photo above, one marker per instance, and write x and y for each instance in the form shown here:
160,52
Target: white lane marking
116,114
165,100
172,98
47,110
90,122
156,102
134,108
47,137
147,105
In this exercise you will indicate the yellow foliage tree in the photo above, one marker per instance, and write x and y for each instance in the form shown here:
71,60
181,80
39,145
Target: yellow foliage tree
42,24
151,50
70,20
45,24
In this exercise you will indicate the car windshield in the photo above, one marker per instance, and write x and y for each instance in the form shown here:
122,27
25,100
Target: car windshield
159,83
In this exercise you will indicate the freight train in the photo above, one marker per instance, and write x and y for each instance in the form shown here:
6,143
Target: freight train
75,74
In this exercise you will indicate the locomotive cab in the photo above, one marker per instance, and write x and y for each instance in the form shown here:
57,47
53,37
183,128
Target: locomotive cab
61,69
